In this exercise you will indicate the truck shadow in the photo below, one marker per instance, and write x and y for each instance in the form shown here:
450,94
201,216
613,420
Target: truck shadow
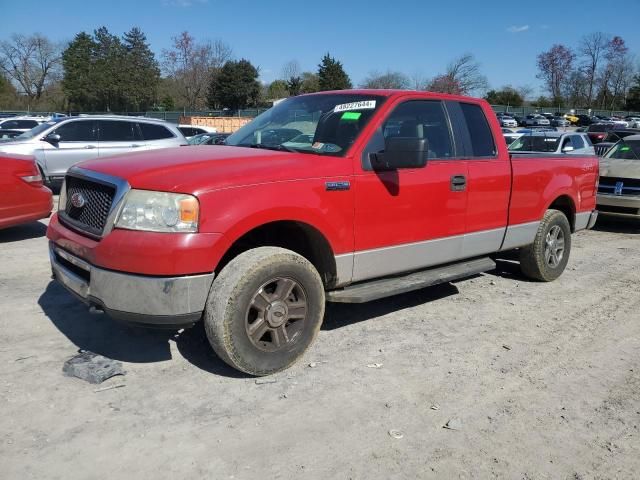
338,315
100,334
23,232
612,225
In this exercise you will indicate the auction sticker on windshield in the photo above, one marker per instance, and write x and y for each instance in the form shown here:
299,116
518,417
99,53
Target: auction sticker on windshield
363,105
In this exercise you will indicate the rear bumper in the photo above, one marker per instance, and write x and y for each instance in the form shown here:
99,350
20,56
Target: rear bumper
585,220
38,204
144,300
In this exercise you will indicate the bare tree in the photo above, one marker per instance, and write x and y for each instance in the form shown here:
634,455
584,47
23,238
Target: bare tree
418,81
389,79
554,68
290,70
462,77
524,91
31,62
592,49
191,65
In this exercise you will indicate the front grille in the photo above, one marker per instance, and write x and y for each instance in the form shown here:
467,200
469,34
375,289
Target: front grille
98,197
601,149
619,186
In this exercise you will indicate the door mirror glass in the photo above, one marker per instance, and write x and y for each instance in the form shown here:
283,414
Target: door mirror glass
401,152
52,138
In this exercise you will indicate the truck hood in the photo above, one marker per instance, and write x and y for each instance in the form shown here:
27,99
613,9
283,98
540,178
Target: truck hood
197,169
619,168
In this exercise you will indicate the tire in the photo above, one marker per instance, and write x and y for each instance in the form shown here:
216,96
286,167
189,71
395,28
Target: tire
546,258
251,321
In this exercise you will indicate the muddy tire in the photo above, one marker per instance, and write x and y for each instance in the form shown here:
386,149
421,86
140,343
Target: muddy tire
546,258
264,310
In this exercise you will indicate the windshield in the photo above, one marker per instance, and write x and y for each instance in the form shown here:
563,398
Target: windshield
325,124
37,130
625,150
535,143
599,127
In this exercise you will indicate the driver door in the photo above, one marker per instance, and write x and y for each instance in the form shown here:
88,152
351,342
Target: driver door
407,219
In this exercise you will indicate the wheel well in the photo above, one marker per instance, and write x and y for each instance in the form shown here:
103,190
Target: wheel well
299,237
566,206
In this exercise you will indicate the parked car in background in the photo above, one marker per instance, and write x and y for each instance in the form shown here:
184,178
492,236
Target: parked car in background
22,124
191,130
24,198
556,143
572,118
61,143
6,134
583,120
598,131
633,121
535,120
507,121
519,119
612,138
208,139
559,122
619,187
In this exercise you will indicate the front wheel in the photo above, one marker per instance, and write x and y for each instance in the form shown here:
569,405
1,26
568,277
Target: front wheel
546,258
264,310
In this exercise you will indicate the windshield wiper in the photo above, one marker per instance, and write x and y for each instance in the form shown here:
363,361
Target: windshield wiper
279,148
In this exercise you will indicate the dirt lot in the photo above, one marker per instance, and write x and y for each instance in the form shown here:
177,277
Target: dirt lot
541,381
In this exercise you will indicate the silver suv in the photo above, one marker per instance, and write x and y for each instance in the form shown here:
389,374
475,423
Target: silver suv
59,144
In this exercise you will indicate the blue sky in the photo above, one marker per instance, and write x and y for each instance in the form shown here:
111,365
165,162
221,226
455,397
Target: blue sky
415,37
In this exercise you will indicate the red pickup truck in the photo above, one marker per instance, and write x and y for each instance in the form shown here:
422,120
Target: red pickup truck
342,196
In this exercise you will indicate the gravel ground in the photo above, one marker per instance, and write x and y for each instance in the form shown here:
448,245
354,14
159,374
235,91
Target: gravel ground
537,381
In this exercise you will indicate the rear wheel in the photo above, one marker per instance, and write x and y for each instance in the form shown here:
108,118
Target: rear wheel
264,310
546,258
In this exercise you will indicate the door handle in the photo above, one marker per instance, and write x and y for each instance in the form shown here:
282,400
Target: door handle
135,145
458,183
88,147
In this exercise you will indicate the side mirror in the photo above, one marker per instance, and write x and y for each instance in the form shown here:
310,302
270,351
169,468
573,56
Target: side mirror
401,152
52,138
567,149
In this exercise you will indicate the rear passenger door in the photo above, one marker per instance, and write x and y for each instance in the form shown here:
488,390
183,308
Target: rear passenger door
156,136
118,136
489,180
407,219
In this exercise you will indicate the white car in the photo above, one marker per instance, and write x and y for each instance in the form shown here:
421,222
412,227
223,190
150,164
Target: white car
535,120
192,130
22,124
632,121
59,144
556,143
507,121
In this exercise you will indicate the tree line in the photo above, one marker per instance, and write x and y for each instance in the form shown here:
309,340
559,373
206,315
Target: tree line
100,71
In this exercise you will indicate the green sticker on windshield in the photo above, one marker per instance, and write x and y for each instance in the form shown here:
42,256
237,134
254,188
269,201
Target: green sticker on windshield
350,116
625,149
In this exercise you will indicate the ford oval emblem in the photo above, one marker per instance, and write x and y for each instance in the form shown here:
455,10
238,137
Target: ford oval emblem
77,200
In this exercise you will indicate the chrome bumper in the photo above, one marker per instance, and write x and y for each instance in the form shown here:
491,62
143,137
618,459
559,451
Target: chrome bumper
152,301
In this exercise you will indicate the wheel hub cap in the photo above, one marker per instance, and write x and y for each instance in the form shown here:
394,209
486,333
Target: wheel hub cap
277,313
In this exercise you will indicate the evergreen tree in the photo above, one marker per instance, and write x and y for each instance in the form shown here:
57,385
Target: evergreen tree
633,99
109,67
235,86
78,83
331,75
142,74
8,93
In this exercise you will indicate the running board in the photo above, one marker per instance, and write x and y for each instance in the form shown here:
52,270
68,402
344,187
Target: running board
387,287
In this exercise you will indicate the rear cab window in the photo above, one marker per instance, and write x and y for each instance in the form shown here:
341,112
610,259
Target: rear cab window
482,143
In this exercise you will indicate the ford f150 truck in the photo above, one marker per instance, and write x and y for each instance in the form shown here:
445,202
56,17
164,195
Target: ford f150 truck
345,196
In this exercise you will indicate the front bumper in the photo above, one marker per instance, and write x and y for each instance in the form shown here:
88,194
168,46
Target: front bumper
623,206
139,299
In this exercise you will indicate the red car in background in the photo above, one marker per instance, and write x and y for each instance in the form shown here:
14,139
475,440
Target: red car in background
23,198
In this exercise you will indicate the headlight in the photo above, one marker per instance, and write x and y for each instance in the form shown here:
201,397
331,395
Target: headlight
159,212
